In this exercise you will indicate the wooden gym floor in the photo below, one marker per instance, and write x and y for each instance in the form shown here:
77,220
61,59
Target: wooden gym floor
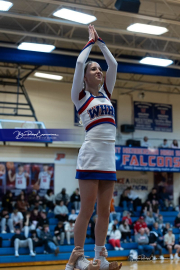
141,265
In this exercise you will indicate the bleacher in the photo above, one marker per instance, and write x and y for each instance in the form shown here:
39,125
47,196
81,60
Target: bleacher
7,252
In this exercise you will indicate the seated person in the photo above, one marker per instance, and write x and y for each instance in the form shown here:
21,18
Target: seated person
114,222
149,219
153,241
49,242
49,199
59,234
7,201
141,224
164,144
76,200
6,221
17,218
61,211
73,215
22,204
142,240
34,218
42,221
169,243
69,230
125,201
160,221
164,199
157,230
18,240
127,215
37,242
114,238
125,231
166,228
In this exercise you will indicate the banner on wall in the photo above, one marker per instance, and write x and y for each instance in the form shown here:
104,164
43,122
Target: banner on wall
139,185
163,181
153,116
77,117
146,159
16,176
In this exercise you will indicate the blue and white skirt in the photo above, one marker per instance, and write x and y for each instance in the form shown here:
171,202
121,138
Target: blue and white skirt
96,160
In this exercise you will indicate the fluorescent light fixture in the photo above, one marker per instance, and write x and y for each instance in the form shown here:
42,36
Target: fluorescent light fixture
147,29
36,47
74,16
156,61
5,5
48,76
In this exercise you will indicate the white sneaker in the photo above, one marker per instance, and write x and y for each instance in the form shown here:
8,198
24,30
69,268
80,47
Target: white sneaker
16,254
116,248
176,256
82,263
161,257
154,258
32,253
121,248
171,257
3,232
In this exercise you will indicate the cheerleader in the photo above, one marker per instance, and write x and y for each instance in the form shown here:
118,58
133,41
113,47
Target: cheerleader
96,160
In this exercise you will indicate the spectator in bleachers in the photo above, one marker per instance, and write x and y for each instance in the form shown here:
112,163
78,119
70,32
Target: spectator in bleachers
34,218
164,199
114,215
169,243
49,242
175,144
164,144
153,196
177,221
61,211
127,216
31,199
43,220
73,215
157,230
125,202
7,202
18,240
149,219
26,223
63,196
155,208
146,143
49,199
114,222
125,231
37,204
114,238
132,195
76,200
166,228
69,230
22,205
140,223
6,221
59,234
142,240
153,241
17,218
160,221
37,242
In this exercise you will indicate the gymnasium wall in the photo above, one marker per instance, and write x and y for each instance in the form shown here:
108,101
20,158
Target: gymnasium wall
53,106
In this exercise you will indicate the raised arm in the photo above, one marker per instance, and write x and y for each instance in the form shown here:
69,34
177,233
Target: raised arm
111,73
79,70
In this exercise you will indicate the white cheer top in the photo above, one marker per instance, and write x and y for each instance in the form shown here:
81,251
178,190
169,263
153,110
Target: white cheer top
96,112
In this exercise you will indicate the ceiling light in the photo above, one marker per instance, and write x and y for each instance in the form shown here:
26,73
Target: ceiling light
5,5
156,61
36,47
48,76
147,29
75,16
